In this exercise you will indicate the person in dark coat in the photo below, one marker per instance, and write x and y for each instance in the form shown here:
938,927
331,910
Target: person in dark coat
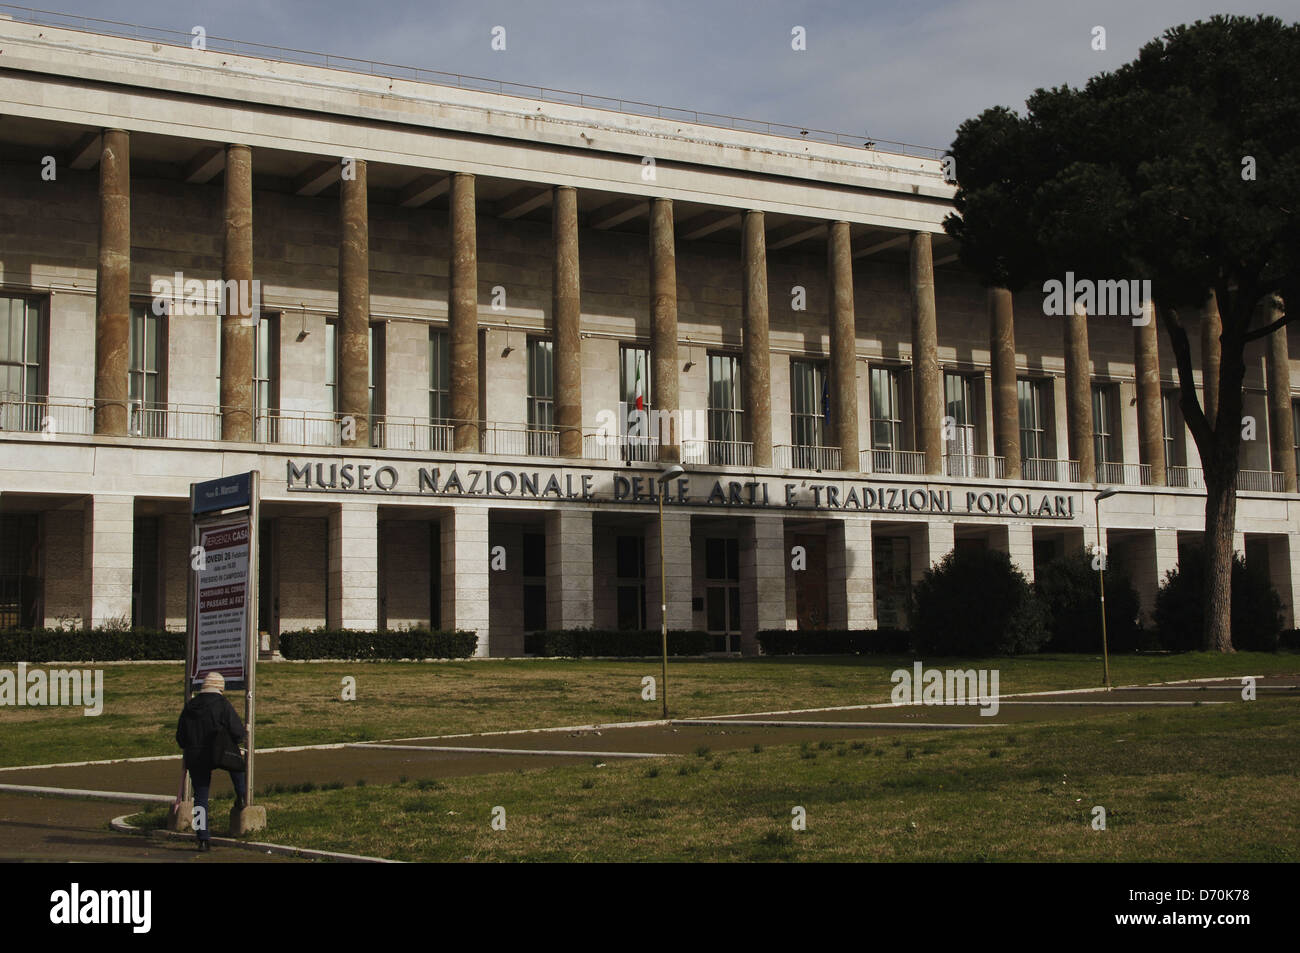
206,714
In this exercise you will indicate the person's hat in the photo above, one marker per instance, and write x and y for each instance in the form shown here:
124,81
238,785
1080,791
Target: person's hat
213,682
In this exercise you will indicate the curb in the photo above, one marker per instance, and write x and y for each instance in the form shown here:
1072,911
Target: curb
123,826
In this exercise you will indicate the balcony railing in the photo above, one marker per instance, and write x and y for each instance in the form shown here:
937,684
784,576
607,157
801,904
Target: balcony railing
893,461
1050,471
520,441
719,453
1192,478
411,433
1125,474
1267,481
797,457
629,449
303,428
974,465
50,415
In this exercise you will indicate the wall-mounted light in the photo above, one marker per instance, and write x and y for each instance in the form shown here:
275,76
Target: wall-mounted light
505,351
302,335
690,356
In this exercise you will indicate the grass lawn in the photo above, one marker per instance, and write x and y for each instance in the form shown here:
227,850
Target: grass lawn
300,703
1213,783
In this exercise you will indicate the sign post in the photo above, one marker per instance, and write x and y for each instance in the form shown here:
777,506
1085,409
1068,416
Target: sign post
223,596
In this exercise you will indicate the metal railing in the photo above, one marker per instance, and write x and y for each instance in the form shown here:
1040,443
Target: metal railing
218,44
1265,481
46,415
304,428
975,465
629,449
174,421
1125,474
803,457
720,453
411,433
1191,478
520,441
910,462
1049,471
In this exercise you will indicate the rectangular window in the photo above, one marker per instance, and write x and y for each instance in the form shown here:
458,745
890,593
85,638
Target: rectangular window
1105,423
959,404
634,388
1029,396
808,402
146,380
375,382
722,592
20,570
439,376
332,363
630,571
541,398
886,409
22,347
1295,426
725,414
1174,430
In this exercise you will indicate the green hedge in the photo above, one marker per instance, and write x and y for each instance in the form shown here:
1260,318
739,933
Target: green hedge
93,645
390,644
584,643
835,642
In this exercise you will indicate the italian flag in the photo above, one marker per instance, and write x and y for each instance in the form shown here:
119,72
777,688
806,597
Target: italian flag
640,387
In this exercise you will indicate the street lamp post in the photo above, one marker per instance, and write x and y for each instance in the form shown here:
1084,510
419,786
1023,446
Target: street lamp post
670,474
1101,568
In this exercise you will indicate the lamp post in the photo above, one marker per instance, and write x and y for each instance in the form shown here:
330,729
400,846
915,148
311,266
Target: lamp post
670,474
1101,567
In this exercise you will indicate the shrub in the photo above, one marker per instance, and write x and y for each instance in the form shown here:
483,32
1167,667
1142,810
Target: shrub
387,644
976,602
585,643
1256,607
1070,590
90,645
834,641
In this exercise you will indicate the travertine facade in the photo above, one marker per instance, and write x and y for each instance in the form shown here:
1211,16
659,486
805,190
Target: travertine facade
499,279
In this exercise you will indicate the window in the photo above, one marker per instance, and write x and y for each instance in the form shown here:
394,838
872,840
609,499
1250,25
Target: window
726,428
375,382
809,400
634,387
630,573
541,398
959,404
1105,423
439,376
146,388
1295,427
722,592
20,568
1033,442
22,345
886,411
1174,430
266,373
332,363
534,573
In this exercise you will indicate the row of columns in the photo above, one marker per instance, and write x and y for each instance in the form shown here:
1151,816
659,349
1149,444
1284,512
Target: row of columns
112,351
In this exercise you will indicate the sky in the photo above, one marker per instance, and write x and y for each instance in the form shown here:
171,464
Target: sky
891,71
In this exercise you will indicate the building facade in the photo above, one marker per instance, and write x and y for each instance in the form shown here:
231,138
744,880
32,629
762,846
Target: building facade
486,322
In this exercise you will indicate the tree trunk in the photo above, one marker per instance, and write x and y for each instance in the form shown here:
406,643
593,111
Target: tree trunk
1220,521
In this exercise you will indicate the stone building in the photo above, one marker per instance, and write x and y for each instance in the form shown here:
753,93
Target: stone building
464,295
